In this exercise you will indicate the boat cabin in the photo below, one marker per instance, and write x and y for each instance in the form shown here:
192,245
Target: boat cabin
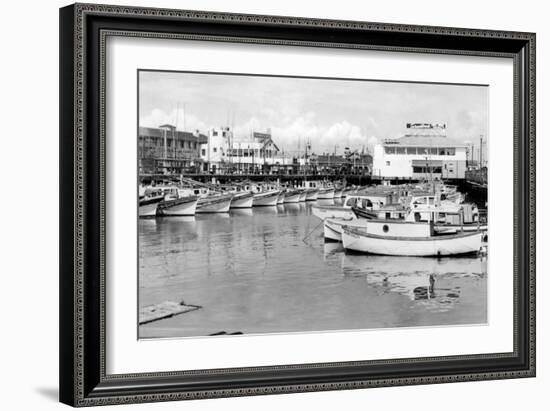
399,229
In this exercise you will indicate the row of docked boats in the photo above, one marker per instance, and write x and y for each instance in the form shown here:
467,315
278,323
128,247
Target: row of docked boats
189,198
406,221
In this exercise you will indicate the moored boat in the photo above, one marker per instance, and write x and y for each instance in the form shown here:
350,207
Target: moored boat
180,206
311,194
214,204
264,199
303,195
325,193
409,239
242,200
148,205
292,196
281,198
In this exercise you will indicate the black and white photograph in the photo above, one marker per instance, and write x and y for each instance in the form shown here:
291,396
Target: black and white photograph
278,204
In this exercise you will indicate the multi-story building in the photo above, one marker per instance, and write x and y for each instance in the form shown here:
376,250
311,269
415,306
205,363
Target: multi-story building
424,152
222,152
165,150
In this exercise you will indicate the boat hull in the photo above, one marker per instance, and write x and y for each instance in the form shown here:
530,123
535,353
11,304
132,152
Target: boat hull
265,199
303,196
185,206
242,201
456,244
214,205
311,195
333,227
148,207
281,198
292,197
325,194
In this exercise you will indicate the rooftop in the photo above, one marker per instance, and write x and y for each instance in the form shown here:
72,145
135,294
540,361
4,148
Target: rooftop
173,133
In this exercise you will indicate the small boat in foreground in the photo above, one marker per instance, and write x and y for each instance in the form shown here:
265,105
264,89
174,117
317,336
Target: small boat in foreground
409,239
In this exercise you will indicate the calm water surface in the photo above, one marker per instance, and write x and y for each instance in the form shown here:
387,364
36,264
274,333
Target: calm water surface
268,269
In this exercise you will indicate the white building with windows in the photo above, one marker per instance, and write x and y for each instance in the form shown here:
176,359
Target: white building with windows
424,152
223,151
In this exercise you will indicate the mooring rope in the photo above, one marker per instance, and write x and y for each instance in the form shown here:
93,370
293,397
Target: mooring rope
311,232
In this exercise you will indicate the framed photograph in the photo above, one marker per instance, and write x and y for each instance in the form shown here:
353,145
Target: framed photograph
262,204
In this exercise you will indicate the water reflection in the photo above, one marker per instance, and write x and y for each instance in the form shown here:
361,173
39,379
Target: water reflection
268,269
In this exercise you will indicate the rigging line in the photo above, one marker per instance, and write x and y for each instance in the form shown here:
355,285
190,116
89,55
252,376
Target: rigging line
311,232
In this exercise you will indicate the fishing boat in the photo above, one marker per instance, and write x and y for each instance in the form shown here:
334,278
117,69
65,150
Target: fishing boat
149,199
148,206
268,198
281,198
333,227
409,239
311,194
214,203
292,196
325,193
178,206
303,196
366,202
242,200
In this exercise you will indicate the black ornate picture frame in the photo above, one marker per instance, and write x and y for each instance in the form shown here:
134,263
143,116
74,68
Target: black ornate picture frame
83,32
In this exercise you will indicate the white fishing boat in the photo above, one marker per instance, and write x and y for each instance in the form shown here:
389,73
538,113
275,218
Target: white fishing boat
292,196
149,199
366,202
409,239
217,203
325,193
148,206
268,198
242,200
311,194
333,227
178,206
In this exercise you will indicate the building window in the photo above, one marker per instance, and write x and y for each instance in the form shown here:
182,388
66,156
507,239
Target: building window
214,133
388,163
215,149
422,150
390,150
450,151
203,152
433,151
400,150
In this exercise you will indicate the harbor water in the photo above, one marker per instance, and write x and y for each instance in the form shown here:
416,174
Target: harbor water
269,270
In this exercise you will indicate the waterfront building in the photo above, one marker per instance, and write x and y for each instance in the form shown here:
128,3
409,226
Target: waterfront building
423,152
223,152
167,151
352,162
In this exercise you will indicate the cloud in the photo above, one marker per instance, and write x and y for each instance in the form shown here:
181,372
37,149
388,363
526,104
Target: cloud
176,117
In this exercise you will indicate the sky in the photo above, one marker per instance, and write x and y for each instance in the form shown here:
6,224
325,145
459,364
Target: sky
331,114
